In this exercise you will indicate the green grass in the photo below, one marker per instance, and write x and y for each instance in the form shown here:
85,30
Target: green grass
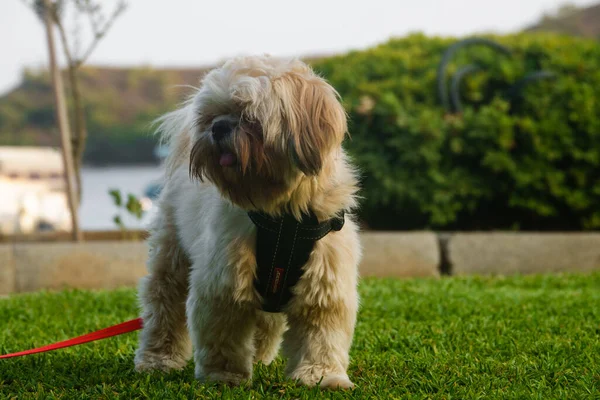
519,337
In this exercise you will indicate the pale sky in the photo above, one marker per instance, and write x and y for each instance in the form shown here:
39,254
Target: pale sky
195,33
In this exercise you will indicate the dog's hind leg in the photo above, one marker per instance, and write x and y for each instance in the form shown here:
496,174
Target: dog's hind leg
164,340
268,336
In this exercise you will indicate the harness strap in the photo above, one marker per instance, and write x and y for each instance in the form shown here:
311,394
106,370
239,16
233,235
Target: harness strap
283,247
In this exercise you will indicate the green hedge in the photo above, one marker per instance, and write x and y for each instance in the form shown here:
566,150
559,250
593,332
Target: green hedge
530,163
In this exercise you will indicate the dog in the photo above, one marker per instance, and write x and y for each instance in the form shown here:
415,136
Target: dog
264,135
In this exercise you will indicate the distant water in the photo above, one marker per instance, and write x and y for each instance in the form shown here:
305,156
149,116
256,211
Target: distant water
97,209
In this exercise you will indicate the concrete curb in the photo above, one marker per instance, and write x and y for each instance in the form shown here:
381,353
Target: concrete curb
26,267
7,269
88,265
523,253
410,254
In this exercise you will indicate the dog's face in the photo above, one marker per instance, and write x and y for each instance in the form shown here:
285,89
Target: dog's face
262,126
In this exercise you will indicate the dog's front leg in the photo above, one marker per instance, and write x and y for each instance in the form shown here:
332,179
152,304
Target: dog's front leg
317,344
164,340
222,334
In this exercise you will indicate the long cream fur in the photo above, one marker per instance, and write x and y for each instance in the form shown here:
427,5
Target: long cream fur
289,127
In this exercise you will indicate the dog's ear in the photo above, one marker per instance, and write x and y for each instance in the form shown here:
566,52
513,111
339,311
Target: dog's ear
315,119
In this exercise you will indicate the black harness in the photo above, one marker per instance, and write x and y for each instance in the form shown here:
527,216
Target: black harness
283,246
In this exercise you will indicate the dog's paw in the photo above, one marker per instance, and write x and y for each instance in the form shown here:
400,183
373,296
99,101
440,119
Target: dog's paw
157,362
336,382
224,377
315,375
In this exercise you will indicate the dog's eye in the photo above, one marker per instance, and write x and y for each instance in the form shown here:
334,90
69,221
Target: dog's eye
251,125
248,120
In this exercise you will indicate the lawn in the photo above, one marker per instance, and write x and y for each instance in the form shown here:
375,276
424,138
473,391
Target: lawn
518,337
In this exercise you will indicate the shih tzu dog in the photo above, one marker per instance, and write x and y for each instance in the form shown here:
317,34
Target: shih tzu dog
253,246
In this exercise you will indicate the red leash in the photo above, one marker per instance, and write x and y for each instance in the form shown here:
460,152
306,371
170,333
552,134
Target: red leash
115,330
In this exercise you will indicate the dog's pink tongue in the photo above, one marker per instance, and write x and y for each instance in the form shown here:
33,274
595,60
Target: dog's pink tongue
227,159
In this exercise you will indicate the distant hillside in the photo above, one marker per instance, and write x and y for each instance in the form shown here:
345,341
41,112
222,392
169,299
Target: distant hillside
570,20
120,105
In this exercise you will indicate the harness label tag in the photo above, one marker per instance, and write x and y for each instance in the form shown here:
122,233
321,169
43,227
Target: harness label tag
277,280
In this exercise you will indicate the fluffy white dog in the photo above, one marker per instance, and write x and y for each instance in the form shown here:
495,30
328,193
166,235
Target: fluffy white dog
261,141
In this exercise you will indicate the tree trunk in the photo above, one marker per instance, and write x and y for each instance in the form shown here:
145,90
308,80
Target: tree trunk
63,125
79,135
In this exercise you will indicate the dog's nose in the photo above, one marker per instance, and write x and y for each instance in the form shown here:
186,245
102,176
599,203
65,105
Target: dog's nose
220,129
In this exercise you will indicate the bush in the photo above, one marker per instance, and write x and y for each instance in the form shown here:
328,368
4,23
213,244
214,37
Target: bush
530,162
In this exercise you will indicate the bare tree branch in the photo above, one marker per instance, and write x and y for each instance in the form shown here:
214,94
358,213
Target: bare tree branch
65,43
39,8
99,34
76,36
93,23
98,25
